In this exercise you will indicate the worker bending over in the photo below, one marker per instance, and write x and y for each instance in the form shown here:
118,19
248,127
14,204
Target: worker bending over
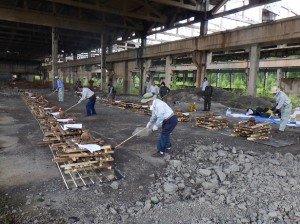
87,94
162,116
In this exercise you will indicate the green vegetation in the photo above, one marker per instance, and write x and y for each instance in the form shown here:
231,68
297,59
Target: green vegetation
238,84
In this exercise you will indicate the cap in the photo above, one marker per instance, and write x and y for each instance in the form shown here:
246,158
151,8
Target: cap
56,77
147,97
274,89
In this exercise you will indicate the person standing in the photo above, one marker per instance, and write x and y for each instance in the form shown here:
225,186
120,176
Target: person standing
87,94
91,83
154,88
207,97
147,86
163,90
162,116
283,103
203,86
111,91
78,83
60,89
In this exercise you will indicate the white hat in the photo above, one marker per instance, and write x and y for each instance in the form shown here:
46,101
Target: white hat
147,97
56,77
274,90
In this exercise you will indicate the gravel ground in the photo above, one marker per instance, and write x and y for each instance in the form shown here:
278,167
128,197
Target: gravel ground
209,178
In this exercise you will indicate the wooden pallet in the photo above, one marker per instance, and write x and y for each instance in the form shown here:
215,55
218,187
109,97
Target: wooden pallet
252,130
211,122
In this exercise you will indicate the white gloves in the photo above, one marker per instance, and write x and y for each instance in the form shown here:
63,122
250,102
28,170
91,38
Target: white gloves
155,128
148,125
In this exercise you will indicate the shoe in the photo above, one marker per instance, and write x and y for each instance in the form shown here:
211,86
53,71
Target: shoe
158,154
169,150
204,110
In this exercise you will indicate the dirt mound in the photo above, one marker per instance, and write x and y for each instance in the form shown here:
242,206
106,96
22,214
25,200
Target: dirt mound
224,97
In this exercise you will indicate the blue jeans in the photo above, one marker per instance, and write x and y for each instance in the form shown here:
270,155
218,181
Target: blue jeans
90,106
168,126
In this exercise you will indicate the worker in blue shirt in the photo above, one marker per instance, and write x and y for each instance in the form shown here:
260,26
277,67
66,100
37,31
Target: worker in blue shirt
60,88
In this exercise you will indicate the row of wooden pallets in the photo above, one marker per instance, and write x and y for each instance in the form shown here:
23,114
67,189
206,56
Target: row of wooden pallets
81,158
144,109
249,129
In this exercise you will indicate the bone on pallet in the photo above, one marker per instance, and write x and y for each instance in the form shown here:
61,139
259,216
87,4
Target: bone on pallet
67,154
252,130
211,121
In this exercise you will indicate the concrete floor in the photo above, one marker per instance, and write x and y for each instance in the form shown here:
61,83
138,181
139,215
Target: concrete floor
26,167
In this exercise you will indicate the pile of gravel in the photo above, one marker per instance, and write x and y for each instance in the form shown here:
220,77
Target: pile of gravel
218,184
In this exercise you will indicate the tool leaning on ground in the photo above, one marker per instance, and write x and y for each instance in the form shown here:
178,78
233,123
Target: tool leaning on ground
130,137
52,93
71,107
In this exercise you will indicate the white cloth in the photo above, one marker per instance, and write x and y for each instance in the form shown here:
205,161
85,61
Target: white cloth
154,89
91,147
160,112
71,126
205,83
64,120
85,94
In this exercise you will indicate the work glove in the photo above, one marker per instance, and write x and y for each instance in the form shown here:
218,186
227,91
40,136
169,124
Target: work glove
155,128
148,125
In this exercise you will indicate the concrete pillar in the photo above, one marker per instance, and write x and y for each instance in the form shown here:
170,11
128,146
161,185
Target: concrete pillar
103,52
278,76
126,83
253,70
141,63
54,55
199,59
168,71
147,65
74,56
204,22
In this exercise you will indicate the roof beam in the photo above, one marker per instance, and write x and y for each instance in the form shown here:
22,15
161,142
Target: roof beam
253,3
192,5
43,19
98,8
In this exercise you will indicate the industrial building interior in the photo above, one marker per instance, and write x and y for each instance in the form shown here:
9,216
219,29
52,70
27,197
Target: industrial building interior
58,165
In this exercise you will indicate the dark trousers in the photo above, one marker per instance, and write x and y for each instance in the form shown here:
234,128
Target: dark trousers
207,102
90,106
168,126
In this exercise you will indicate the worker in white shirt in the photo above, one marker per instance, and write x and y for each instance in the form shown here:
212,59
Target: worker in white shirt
283,103
162,116
203,86
87,94
154,88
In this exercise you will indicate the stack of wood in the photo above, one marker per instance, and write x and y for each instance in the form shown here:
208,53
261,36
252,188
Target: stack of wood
211,121
252,130
78,164
182,117
70,157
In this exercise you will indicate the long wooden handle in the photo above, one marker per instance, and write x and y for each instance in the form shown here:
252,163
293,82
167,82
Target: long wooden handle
52,93
130,138
71,107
